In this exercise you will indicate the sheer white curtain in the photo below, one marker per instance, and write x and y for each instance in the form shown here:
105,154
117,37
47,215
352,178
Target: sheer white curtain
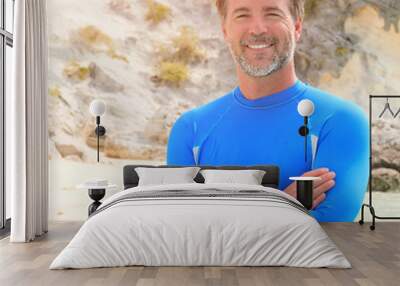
26,124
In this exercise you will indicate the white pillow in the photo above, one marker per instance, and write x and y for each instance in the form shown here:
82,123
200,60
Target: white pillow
163,176
248,177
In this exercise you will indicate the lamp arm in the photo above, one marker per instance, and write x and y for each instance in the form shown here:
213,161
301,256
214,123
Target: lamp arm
98,137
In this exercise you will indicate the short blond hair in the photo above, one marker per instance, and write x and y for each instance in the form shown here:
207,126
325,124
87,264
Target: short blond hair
296,8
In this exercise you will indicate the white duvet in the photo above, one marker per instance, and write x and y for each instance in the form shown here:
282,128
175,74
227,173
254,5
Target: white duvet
200,231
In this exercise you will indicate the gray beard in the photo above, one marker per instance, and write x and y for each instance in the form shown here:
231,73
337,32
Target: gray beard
278,62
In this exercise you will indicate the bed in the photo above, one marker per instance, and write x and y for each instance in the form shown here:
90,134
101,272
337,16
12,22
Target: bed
201,224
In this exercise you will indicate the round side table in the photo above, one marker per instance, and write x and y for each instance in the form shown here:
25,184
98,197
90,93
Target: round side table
304,190
96,193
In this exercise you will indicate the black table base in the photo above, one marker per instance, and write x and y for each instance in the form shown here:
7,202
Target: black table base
305,193
96,195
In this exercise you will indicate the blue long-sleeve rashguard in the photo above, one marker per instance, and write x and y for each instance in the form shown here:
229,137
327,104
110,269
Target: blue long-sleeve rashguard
233,130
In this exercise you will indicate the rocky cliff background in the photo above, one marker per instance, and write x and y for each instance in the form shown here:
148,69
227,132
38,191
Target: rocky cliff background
152,60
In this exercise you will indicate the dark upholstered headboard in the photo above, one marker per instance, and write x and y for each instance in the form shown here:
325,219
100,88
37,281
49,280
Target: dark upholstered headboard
270,179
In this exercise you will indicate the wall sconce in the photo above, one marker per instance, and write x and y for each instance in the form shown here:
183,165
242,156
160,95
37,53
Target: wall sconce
98,108
305,109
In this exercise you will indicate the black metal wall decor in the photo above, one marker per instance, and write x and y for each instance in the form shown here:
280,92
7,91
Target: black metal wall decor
386,109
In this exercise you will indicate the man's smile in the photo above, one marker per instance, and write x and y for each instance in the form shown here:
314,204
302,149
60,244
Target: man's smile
259,46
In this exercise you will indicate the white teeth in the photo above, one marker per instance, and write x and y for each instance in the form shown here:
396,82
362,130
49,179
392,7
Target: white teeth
258,46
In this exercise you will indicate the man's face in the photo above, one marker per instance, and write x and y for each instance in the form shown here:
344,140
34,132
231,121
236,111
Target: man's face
261,35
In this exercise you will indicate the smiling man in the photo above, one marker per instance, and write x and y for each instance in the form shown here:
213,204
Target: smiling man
257,123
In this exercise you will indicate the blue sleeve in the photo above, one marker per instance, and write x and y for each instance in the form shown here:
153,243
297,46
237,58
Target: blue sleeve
343,147
180,143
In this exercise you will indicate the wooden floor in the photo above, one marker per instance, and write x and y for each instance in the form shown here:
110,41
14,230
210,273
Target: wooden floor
374,255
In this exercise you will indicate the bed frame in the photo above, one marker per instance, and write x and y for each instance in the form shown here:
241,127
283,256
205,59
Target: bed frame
270,179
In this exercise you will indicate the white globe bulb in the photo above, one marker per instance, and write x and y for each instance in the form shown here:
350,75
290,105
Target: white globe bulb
97,107
305,107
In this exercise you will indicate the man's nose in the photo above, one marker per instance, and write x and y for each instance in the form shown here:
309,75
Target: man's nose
257,26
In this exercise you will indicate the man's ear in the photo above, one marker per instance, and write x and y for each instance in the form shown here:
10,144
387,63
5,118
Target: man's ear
224,29
298,29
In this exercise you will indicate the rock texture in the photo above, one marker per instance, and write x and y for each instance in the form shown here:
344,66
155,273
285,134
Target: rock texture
106,49
384,180
386,153
349,48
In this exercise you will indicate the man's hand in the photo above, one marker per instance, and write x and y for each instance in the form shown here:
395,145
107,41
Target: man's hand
319,186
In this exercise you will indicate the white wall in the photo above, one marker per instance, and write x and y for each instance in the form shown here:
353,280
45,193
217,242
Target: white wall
66,202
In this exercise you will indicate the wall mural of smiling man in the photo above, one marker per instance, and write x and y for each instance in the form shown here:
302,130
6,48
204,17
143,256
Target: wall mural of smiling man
257,122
